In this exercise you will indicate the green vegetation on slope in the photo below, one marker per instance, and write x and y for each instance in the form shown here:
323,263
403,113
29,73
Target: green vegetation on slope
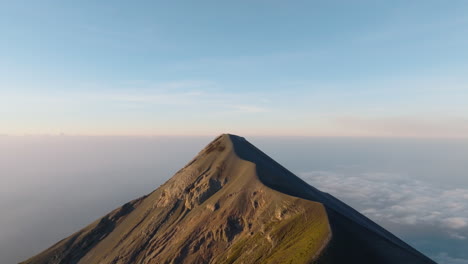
295,240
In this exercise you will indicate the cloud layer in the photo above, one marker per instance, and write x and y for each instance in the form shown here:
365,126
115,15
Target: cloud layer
404,204
398,199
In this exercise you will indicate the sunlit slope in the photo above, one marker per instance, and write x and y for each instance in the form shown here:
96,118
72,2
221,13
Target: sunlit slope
214,210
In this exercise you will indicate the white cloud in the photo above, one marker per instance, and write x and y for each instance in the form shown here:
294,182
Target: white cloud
444,258
457,236
455,222
398,199
405,204
249,109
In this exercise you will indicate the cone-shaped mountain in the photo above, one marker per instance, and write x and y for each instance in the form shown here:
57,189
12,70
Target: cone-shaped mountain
232,204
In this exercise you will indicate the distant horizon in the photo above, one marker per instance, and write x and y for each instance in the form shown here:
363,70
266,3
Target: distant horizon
242,135
416,188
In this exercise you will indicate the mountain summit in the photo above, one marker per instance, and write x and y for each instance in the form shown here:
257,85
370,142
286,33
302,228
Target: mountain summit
232,204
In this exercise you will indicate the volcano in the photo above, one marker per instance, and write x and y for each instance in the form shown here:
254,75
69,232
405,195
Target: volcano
232,204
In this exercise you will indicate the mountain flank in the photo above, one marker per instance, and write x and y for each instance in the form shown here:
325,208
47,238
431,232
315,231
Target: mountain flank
232,204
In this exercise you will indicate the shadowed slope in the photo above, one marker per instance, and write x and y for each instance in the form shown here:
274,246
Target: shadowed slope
214,210
356,239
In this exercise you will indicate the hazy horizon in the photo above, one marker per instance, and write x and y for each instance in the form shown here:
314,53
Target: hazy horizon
53,186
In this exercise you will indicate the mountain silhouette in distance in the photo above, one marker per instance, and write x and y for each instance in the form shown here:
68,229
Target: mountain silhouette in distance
232,204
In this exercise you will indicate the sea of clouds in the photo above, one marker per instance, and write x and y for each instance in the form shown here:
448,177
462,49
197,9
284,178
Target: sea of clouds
411,208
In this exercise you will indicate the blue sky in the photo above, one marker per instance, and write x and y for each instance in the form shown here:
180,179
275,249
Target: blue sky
308,68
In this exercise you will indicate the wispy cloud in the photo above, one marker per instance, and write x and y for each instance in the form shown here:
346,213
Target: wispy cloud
456,223
316,110
249,109
165,98
182,92
404,126
148,110
444,258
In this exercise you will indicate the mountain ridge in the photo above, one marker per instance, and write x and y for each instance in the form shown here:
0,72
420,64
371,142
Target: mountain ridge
244,149
232,204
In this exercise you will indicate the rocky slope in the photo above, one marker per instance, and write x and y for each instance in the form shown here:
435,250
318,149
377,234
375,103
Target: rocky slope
232,204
